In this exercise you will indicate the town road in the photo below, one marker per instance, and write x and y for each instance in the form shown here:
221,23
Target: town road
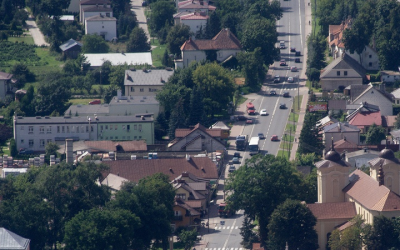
141,18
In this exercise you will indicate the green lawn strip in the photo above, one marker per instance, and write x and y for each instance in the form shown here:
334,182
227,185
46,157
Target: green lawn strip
5,149
26,39
80,101
282,153
290,127
285,145
158,52
313,89
297,101
241,100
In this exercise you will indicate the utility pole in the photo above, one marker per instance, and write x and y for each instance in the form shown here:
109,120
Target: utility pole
298,92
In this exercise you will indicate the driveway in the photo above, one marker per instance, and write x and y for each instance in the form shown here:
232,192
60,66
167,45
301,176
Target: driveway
35,32
141,18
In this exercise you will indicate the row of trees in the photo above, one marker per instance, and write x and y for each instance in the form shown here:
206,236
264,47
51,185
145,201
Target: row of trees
55,206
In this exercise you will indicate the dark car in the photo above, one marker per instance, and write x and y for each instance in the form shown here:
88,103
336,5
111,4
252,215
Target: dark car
273,92
282,62
25,151
292,49
286,94
298,53
235,160
232,169
241,118
261,136
297,60
282,106
236,154
274,138
277,79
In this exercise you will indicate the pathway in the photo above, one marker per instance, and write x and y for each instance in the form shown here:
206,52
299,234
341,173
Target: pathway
35,32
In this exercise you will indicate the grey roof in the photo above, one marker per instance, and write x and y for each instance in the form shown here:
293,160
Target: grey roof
12,241
396,93
94,2
114,181
100,18
362,152
99,8
363,107
374,89
337,104
100,109
96,60
221,125
79,119
341,127
325,120
149,77
69,44
356,90
345,62
198,186
389,73
133,100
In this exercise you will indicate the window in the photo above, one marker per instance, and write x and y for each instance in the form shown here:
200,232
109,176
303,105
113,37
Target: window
135,137
111,137
123,127
58,129
102,27
87,128
370,64
22,127
48,141
41,130
67,129
49,129
140,126
128,137
116,127
107,14
30,143
101,127
106,126
135,127
116,138
150,90
345,73
128,127
62,129
91,128
30,130
111,127
140,137
181,196
77,129
132,89
335,188
338,73
142,90
370,56
22,141
41,143
123,137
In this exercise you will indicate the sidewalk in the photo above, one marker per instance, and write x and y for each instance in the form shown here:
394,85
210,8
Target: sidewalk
35,32
304,90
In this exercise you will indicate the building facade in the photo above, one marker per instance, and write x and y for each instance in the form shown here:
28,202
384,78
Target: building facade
145,82
101,25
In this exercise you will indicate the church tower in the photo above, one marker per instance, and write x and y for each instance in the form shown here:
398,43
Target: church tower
333,176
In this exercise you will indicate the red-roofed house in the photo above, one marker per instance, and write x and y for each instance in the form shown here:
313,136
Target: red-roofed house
195,6
197,139
195,20
364,120
225,45
185,215
345,145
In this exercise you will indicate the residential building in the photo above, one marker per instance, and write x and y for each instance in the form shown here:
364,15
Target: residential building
145,82
344,146
114,182
97,60
12,241
101,25
196,21
341,195
187,193
360,158
95,147
89,4
71,48
185,215
6,84
34,133
390,76
197,139
337,106
198,184
342,72
195,6
222,47
364,120
225,130
326,121
338,131
376,97
98,10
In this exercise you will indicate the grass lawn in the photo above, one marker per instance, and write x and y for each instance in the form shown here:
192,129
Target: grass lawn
286,145
158,52
80,101
26,39
283,154
5,149
290,127
117,47
241,100
297,100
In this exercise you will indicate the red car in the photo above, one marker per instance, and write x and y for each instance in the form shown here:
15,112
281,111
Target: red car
274,138
282,63
249,121
95,102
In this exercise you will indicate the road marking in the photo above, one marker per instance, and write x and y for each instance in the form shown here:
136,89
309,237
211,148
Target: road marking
301,37
223,228
226,242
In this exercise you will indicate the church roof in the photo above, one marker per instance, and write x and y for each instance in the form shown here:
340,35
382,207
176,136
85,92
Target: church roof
333,210
366,191
386,156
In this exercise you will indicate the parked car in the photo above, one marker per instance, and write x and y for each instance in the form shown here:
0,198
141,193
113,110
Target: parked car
298,53
241,118
293,69
261,136
274,138
231,169
273,92
277,79
282,62
263,112
236,154
25,151
286,94
282,44
95,102
292,49
249,121
282,106
235,160
297,60
290,79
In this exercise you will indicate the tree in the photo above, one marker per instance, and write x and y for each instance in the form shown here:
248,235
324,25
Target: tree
296,216
51,149
397,122
13,148
260,186
126,23
6,132
316,54
22,73
138,41
383,234
116,76
247,233
103,229
213,26
349,238
216,85
188,238
94,44
261,33
313,74
161,14
176,120
165,59
309,140
375,135
196,109
177,36
252,67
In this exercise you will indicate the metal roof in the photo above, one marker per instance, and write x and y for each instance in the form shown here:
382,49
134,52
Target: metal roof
10,240
156,77
96,60
69,44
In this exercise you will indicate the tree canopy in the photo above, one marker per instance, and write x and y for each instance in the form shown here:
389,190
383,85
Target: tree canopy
161,14
375,135
138,41
94,44
177,35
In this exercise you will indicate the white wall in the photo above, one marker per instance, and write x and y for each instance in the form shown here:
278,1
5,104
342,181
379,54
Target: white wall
223,54
142,90
109,28
369,58
89,14
376,98
195,24
192,55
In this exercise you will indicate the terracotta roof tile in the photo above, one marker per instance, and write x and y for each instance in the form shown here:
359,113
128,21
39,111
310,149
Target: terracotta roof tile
183,204
107,146
194,203
334,210
195,195
135,170
225,39
344,144
388,120
367,191
363,119
194,16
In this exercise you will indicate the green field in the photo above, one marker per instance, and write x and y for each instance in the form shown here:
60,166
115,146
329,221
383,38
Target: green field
158,52
26,39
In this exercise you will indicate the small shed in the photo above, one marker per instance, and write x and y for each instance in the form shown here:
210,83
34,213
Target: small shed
225,130
71,48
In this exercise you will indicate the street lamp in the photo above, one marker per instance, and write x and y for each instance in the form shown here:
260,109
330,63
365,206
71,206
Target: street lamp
298,92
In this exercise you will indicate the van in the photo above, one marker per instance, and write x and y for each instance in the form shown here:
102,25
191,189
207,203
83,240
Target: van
282,44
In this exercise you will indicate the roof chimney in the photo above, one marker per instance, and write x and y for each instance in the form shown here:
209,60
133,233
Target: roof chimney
188,157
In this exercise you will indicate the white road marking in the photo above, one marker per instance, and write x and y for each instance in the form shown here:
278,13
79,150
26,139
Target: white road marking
226,242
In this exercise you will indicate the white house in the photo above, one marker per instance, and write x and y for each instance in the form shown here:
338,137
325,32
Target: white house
97,60
338,131
91,3
145,82
101,25
97,10
376,97
224,45
195,6
390,76
195,20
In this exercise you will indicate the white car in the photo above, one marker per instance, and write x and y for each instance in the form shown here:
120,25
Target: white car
263,112
290,79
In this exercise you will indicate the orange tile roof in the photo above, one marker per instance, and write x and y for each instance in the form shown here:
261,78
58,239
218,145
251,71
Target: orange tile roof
333,210
182,132
367,191
344,144
225,39
363,119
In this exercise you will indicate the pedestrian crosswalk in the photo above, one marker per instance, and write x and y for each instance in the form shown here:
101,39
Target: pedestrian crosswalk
278,89
227,248
225,227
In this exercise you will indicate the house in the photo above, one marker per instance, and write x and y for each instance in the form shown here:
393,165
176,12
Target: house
220,48
185,215
195,6
388,122
145,82
195,20
101,25
368,58
198,184
85,4
360,158
135,170
396,96
364,120
98,10
225,130
12,241
6,84
197,139
71,48
97,60
5,171
327,120
376,97
338,131
342,72
74,6
114,182
34,133
353,91
341,195
337,106
344,146
390,76
187,193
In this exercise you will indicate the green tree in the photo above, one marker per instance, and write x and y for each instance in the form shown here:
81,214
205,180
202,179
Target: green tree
176,120
120,6
252,66
176,37
350,238
375,135
316,54
296,216
94,44
309,141
267,9
260,186
261,33
88,82
116,76
248,234
216,85
22,73
382,235
397,122
188,238
213,26
196,109
103,228
126,23
313,74
138,41
13,148
165,59
161,14
51,149
6,133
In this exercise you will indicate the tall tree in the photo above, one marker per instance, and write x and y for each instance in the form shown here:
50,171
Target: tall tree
248,234
176,120
94,44
296,216
383,234
213,26
375,135
252,67
177,36
309,140
196,109
188,238
161,14
349,238
138,41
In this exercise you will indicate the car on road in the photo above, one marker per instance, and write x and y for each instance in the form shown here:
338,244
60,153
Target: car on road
282,62
231,169
241,118
292,49
235,160
293,69
290,79
263,112
297,60
261,136
277,79
282,106
273,92
298,53
286,94
282,44
249,121
274,138
236,154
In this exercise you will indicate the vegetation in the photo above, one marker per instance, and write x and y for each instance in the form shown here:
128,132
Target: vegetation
375,135
94,44
138,41
310,141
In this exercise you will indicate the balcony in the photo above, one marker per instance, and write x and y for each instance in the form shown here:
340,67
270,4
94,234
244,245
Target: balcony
178,217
